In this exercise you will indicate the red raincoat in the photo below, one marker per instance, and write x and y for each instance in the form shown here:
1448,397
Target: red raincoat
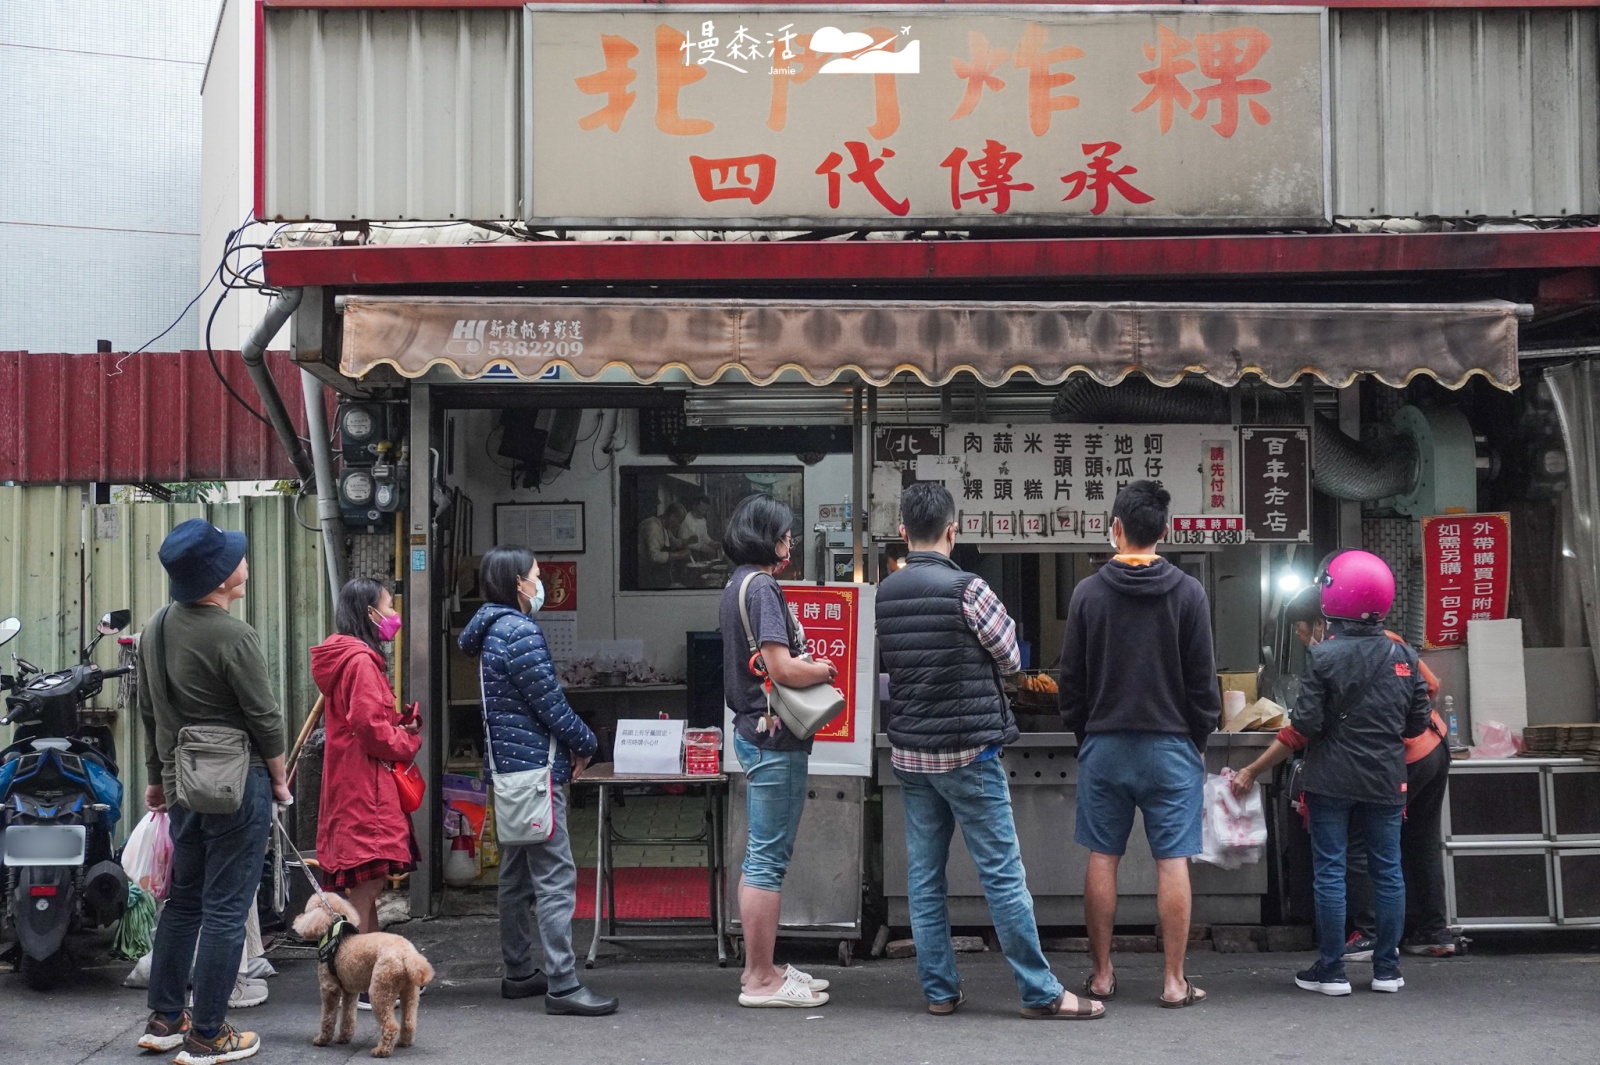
361,820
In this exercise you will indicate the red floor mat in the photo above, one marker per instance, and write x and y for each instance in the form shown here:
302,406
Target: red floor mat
651,892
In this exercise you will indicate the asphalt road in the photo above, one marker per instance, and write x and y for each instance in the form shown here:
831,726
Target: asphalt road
1492,1006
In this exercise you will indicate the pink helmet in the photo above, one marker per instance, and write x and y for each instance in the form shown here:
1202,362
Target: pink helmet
1358,586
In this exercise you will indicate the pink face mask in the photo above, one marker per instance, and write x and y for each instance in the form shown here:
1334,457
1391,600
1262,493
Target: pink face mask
388,627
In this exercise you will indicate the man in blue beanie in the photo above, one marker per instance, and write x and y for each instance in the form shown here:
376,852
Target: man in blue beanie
200,666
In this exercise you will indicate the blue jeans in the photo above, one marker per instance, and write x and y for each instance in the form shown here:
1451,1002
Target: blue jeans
775,797
977,798
1333,822
216,870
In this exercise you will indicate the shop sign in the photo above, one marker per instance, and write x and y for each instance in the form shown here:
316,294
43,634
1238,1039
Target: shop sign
902,445
1054,483
1466,574
830,614
1276,483
690,116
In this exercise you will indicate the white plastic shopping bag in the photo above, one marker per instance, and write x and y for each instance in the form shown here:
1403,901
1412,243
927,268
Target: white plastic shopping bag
1233,829
147,856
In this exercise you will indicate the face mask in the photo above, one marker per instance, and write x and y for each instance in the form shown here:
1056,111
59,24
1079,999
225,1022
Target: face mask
1112,539
537,603
388,627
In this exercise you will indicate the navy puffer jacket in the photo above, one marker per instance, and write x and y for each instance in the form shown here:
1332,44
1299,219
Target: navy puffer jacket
522,698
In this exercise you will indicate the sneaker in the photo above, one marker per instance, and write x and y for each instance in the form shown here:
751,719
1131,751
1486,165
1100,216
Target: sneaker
247,993
1324,983
161,1034
1443,947
1390,982
228,1044
1358,947
363,1001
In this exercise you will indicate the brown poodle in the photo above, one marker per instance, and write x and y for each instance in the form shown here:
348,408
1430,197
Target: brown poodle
385,966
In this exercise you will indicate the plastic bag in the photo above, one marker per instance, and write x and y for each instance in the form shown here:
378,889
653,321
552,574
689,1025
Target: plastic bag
1233,830
147,856
161,860
1496,740
137,929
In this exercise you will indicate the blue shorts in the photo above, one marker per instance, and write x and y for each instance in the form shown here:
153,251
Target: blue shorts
775,797
1160,774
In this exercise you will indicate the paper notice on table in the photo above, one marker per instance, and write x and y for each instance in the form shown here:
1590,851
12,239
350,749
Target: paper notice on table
560,634
649,747
1496,674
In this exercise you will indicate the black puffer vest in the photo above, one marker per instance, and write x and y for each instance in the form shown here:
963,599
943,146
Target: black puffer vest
944,688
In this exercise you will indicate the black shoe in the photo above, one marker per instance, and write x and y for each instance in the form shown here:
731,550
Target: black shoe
579,1002
525,987
1359,947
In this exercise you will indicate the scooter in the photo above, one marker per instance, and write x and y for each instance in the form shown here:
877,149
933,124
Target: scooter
60,800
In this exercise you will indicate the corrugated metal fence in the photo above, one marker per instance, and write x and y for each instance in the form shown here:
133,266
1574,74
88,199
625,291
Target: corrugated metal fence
63,564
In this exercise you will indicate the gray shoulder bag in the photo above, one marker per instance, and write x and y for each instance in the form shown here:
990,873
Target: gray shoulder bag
212,761
803,711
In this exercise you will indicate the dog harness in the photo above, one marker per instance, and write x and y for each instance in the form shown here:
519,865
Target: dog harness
328,945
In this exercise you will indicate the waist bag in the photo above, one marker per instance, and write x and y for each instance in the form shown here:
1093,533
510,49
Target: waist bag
212,761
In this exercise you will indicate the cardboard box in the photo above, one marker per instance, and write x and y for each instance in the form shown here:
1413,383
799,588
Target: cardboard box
1239,682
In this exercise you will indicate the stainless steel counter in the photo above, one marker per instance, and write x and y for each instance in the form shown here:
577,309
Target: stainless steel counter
1043,770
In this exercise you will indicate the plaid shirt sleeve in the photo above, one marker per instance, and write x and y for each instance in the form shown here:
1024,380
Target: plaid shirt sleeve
987,618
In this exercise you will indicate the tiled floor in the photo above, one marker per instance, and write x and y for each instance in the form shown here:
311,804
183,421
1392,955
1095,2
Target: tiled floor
654,815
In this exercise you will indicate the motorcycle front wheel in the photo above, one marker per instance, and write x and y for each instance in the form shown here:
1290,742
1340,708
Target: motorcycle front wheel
44,974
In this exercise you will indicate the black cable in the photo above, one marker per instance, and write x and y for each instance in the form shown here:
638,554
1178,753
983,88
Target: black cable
211,357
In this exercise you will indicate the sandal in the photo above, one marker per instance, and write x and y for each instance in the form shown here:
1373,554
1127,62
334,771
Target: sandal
1085,1010
794,994
1089,991
1191,996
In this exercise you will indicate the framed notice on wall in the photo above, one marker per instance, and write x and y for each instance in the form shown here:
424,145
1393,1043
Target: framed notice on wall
543,528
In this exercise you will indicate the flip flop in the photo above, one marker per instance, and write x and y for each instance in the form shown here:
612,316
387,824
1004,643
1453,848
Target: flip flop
794,994
1089,991
1192,995
1085,1010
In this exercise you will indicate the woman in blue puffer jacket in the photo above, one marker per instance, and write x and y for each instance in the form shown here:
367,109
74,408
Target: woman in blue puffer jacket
524,709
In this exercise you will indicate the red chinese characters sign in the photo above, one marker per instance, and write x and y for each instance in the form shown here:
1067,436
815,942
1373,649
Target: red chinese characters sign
771,117
1466,574
560,585
829,616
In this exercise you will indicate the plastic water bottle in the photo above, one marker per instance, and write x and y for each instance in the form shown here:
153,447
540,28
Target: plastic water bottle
1452,721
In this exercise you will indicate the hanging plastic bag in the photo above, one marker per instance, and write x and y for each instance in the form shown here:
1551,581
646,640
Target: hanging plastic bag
161,859
139,851
136,931
1233,830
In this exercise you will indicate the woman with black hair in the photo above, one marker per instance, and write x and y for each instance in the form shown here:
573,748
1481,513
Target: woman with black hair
758,541
363,835
526,717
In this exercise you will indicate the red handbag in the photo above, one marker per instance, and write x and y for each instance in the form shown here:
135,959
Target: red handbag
410,785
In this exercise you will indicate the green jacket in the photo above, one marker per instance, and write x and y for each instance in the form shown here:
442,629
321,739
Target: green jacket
217,676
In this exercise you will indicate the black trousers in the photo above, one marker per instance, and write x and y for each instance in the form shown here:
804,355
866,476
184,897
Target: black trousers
1421,855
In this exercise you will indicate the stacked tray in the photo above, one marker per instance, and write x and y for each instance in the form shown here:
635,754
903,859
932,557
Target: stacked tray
1561,741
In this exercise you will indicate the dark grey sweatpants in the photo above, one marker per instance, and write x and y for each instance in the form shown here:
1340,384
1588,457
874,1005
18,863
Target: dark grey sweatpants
540,875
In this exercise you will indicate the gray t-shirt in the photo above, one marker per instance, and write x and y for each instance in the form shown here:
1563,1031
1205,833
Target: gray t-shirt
740,687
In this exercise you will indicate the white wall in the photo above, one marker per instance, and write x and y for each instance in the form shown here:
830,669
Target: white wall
98,234
660,619
227,174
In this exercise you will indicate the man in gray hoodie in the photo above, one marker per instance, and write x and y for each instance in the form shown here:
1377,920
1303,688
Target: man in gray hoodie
1139,690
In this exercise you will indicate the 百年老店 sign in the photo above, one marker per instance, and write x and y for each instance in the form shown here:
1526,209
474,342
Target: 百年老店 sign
758,116
1275,483
1466,574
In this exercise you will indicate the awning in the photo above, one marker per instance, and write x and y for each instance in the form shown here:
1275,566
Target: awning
877,341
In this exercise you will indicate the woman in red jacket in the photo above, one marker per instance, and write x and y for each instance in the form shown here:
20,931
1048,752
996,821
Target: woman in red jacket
363,836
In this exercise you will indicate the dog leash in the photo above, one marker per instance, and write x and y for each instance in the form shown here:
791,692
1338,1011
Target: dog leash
316,889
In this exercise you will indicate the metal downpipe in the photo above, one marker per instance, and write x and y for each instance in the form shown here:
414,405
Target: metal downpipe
328,515
254,354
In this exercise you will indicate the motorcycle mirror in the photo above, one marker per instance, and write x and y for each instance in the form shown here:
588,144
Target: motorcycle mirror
8,629
114,622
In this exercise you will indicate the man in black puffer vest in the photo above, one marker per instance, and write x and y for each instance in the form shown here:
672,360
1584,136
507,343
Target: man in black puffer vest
945,639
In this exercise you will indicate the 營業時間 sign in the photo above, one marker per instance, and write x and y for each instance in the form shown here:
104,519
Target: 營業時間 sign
915,115
1466,574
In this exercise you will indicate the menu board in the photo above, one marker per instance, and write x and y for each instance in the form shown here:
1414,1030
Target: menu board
1054,483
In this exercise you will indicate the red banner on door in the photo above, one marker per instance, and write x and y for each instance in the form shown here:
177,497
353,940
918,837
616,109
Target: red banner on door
1466,574
828,616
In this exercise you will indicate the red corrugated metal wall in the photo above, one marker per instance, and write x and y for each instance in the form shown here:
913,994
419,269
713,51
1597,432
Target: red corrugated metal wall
159,416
